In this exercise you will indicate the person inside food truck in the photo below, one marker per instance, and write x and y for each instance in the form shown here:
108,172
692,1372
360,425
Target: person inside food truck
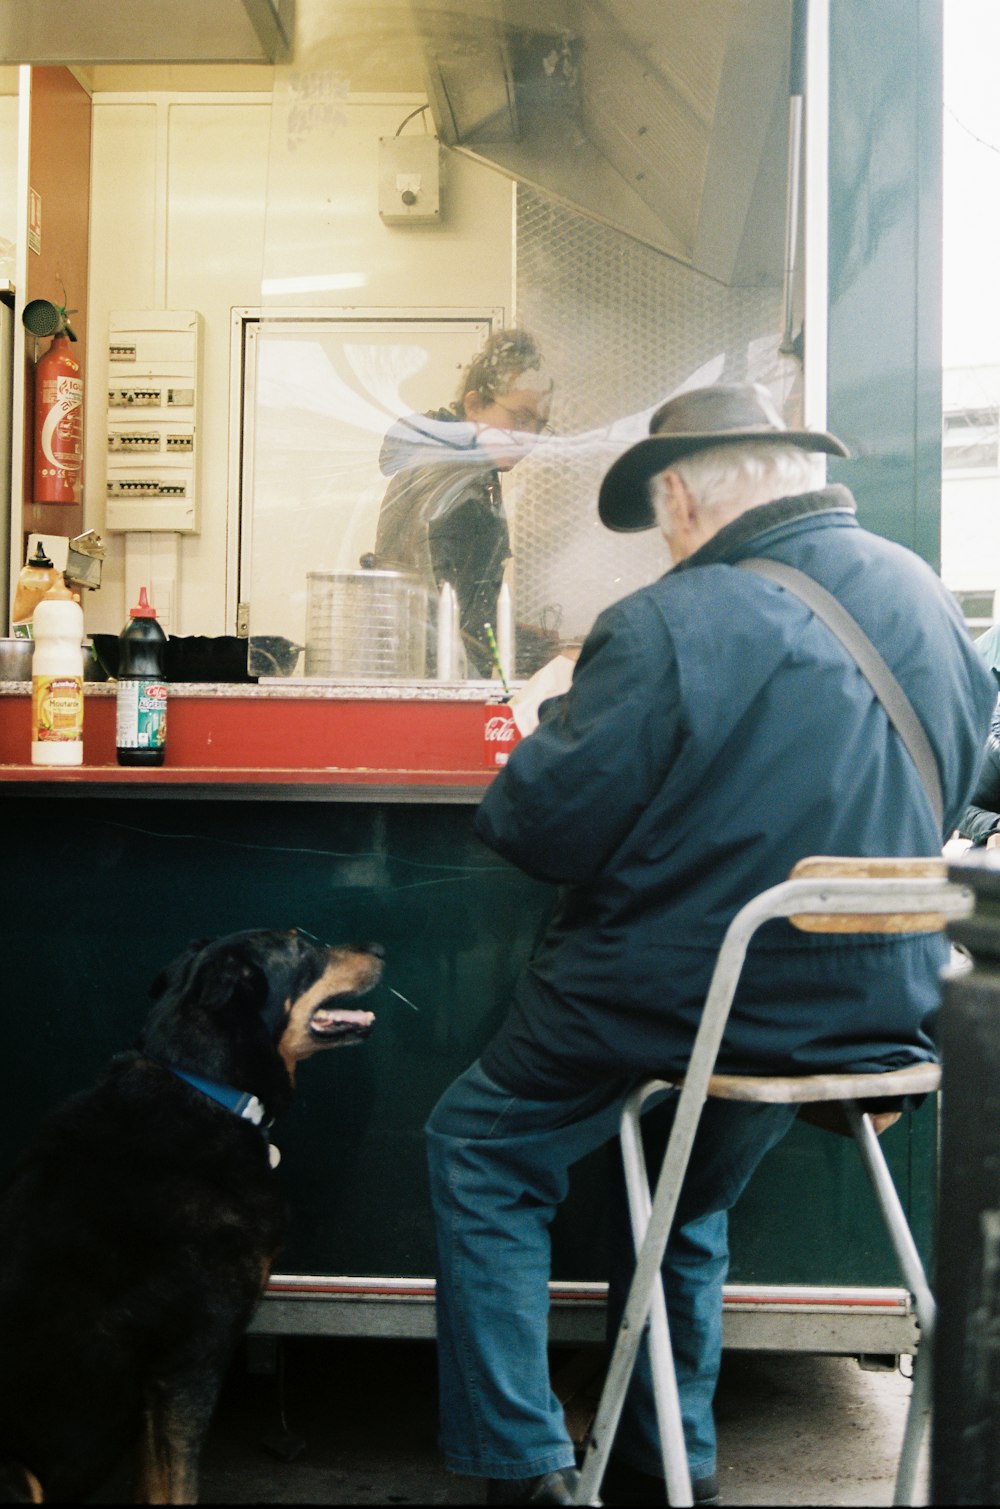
715,732
442,515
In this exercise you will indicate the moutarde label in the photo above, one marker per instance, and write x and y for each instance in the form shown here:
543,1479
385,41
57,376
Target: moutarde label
57,709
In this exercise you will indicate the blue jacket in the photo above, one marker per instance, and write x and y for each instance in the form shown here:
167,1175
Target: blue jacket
715,733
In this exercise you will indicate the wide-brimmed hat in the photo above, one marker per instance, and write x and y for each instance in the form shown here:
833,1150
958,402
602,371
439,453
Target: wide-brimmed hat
721,415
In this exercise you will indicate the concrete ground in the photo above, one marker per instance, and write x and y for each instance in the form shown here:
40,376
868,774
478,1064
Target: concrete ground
356,1424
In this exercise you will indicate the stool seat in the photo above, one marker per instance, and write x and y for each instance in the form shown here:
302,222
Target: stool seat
806,1089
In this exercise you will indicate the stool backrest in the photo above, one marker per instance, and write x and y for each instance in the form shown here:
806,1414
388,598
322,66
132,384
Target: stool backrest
824,867
837,897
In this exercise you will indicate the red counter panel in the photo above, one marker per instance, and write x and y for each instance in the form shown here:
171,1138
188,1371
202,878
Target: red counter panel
259,739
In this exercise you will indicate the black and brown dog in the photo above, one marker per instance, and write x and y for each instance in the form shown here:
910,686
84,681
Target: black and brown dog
139,1228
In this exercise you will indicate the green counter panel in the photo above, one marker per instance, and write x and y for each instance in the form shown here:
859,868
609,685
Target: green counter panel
101,892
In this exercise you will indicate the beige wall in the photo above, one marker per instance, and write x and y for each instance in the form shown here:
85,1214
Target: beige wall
177,222
8,177
193,197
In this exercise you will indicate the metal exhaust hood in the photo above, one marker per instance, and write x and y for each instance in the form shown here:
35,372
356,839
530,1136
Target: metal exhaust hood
146,31
666,119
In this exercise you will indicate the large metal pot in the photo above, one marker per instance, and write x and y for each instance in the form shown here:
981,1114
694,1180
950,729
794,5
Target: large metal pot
367,625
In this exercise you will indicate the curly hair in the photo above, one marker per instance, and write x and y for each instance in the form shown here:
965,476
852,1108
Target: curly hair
505,356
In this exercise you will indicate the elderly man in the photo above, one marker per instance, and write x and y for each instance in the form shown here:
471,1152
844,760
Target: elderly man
716,731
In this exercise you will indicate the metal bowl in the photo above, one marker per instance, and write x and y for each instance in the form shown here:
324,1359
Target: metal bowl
273,655
15,659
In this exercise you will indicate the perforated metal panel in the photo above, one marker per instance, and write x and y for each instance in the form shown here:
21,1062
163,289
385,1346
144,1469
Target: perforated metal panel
621,327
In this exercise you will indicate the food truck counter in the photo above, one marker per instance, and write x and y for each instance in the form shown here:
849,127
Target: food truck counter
302,739
347,811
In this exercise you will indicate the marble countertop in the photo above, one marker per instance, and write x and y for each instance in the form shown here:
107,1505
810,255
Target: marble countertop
300,689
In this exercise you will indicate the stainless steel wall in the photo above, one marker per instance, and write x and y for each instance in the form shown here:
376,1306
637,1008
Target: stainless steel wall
621,326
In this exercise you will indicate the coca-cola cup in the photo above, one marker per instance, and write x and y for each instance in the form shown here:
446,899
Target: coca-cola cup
499,734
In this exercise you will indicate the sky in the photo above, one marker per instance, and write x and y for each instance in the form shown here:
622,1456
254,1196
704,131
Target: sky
971,182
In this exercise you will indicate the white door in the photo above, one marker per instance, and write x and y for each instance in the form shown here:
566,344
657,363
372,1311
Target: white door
319,392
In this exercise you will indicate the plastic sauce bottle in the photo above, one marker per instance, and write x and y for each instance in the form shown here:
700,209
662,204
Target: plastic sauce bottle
37,577
141,713
57,680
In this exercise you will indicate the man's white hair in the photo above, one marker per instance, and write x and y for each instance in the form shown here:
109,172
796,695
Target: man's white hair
726,480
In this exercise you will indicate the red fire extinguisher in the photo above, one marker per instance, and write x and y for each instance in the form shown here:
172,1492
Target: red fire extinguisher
58,425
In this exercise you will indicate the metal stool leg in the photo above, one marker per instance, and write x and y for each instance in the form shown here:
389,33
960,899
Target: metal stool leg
919,1411
651,1223
661,1356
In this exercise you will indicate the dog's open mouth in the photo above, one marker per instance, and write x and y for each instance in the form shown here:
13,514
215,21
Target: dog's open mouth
329,1024
330,1013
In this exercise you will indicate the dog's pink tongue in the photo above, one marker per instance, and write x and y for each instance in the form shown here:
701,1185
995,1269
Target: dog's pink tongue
326,1017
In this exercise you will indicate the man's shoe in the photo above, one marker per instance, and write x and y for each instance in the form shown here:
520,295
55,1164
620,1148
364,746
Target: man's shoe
551,1488
625,1487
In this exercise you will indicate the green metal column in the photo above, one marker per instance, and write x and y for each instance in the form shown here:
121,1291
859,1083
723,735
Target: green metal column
885,212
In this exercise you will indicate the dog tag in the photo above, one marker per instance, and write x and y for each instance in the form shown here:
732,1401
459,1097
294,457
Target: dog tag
273,1154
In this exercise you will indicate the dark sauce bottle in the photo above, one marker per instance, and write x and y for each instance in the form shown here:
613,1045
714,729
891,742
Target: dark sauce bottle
141,713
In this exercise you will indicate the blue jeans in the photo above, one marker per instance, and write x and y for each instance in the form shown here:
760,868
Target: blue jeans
499,1169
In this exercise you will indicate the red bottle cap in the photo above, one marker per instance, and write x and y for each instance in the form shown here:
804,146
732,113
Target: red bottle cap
142,608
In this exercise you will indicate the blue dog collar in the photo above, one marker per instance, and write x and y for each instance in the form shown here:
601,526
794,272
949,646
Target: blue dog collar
246,1106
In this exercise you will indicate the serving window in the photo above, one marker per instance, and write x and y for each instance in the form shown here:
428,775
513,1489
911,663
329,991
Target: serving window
635,197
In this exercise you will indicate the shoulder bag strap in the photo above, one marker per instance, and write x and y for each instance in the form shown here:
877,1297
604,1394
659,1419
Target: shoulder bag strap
884,684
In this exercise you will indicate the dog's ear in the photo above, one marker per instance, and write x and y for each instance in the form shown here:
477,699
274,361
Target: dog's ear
207,1002
174,973
230,978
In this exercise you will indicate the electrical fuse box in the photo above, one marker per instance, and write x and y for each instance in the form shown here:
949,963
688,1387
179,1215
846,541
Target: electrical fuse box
154,368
